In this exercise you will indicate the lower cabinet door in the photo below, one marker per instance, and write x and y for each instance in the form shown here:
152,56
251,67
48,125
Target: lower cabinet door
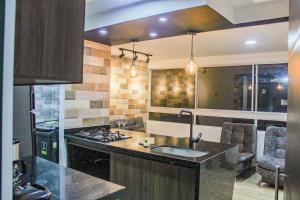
150,180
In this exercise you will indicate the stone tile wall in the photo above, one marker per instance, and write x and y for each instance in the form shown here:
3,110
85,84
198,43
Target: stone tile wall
87,104
128,96
172,88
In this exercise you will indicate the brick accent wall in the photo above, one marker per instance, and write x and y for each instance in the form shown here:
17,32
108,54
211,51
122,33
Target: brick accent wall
87,104
128,96
172,88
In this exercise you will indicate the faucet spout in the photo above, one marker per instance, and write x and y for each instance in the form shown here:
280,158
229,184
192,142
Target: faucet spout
191,139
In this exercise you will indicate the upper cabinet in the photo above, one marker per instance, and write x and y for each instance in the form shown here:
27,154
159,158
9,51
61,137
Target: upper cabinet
49,41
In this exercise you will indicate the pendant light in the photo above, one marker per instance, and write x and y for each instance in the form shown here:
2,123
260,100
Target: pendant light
133,67
191,66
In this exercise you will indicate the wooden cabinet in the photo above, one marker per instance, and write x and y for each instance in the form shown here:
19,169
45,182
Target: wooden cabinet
49,41
150,180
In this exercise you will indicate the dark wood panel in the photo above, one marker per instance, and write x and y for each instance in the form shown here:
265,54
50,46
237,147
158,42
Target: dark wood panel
199,19
49,41
292,184
132,173
150,180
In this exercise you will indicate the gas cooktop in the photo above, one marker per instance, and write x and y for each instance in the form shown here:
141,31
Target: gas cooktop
100,135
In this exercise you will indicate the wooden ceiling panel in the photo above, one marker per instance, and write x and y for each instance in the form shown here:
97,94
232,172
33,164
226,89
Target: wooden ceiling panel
198,19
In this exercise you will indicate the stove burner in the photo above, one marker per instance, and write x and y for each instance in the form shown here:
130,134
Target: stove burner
99,135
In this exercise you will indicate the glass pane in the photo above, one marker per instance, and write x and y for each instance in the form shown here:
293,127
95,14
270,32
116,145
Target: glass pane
218,121
226,88
165,117
172,88
263,124
46,103
272,88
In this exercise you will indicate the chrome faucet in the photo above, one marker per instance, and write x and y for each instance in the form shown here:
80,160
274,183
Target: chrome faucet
192,140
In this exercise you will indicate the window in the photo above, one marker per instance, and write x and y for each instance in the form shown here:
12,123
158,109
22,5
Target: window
226,88
272,88
165,117
263,124
218,121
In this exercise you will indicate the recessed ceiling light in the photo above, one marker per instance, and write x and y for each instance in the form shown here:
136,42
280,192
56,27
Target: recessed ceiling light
153,34
162,19
103,32
250,42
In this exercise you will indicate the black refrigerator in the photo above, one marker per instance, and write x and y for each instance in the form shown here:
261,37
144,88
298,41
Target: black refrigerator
35,121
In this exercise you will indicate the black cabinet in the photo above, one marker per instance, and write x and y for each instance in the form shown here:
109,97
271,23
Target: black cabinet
49,41
89,161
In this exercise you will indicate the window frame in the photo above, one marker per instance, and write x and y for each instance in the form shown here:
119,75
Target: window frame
240,114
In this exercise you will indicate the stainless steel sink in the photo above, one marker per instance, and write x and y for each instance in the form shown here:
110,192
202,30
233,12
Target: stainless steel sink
178,151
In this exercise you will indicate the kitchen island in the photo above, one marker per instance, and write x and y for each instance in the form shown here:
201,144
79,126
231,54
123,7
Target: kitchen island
153,175
69,184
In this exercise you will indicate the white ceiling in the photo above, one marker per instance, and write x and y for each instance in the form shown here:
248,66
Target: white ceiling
245,3
270,38
101,6
102,13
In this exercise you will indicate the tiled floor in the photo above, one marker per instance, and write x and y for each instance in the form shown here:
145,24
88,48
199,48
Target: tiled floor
246,188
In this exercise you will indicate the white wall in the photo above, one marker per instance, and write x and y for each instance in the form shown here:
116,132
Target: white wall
7,99
209,133
225,60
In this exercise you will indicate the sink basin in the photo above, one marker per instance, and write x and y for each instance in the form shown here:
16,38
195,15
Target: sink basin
178,151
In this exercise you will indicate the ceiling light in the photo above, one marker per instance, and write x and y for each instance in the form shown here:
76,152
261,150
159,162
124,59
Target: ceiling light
162,19
122,54
148,59
133,70
250,42
191,67
103,32
135,57
153,34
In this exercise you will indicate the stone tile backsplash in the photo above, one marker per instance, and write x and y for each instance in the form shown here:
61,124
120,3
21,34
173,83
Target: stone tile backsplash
172,88
128,96
87,104
107,91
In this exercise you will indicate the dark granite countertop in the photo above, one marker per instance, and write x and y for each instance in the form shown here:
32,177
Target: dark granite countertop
66,183
131,147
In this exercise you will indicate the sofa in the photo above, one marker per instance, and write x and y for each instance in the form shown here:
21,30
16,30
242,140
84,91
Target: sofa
274,155
244,135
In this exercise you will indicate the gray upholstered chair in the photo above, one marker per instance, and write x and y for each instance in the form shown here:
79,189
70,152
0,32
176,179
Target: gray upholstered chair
274,155
243,135
134,124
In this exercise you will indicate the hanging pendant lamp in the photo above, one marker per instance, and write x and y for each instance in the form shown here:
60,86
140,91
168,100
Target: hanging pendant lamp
133,67
191,66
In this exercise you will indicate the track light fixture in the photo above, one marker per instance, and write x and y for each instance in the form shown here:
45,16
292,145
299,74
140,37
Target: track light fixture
148,59
135,54
122,54
133,67
135,57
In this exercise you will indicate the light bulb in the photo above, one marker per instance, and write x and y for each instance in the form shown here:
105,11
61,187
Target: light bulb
191,67
133,71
